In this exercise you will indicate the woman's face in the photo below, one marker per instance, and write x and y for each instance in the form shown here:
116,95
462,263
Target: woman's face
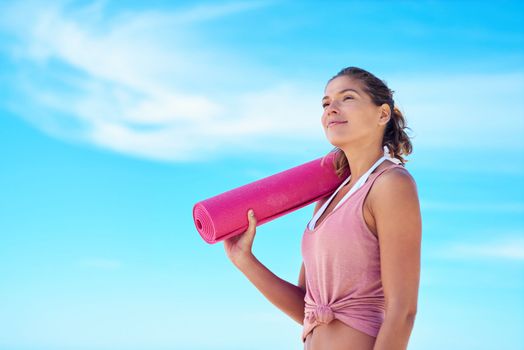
349,114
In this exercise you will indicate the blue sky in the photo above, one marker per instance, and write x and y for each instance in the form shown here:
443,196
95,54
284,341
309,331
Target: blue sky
116,118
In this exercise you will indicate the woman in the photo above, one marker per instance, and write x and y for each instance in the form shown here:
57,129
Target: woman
358,283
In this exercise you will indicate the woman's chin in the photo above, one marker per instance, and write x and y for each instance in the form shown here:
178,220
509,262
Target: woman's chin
337,142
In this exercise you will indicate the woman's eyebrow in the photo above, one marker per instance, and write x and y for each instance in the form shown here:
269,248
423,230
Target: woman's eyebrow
342,91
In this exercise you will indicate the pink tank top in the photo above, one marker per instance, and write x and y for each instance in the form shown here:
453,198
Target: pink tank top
342,267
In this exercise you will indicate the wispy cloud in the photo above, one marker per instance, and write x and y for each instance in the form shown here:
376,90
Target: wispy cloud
478,207
131,89
507,248
468,111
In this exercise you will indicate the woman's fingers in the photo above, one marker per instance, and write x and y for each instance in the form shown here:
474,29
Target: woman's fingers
242,244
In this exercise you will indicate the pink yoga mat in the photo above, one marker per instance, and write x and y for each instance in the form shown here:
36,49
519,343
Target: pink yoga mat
225,215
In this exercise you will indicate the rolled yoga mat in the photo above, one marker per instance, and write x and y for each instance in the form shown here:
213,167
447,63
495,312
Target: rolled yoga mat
225,215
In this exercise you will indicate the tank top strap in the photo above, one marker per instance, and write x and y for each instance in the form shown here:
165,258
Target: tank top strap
374,176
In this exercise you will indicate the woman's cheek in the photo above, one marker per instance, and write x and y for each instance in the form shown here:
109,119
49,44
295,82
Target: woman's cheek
323,119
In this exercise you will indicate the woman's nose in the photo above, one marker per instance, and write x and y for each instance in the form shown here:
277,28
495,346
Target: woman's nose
332,108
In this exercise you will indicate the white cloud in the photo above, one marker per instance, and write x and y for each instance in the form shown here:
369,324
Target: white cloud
149,84
479,207
507,248
128,92
464,110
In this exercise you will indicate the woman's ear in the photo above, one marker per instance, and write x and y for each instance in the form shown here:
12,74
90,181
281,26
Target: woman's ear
385,114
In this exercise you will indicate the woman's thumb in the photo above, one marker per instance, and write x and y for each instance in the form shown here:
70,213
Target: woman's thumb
252,220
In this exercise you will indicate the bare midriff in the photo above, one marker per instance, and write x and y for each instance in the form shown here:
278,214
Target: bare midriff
336,335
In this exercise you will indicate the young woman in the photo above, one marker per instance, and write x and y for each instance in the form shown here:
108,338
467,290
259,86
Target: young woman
358,283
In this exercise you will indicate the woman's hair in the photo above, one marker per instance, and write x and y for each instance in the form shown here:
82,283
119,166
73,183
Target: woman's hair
395,138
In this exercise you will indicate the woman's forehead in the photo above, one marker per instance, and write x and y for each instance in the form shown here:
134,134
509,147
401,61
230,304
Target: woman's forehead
343,83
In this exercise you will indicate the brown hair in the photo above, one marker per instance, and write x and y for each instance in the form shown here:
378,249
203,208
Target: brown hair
395,138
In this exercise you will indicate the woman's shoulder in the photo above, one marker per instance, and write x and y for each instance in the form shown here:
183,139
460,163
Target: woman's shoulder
396,183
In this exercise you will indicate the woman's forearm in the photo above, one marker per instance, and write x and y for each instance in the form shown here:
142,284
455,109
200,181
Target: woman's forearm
395,331
286,296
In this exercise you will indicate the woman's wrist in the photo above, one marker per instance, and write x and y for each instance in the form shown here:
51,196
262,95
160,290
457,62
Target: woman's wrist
242,261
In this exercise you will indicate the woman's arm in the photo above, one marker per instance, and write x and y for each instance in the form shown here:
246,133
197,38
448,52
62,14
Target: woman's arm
396,210
284,295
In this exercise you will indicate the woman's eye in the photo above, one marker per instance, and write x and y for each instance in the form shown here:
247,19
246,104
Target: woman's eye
348,97
324,105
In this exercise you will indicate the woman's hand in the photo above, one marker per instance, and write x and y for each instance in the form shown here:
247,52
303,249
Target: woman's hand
239,247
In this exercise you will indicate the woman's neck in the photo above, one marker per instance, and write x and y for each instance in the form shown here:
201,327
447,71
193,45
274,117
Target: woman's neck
360,160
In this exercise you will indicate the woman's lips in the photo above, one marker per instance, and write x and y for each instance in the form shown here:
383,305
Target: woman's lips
335,123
